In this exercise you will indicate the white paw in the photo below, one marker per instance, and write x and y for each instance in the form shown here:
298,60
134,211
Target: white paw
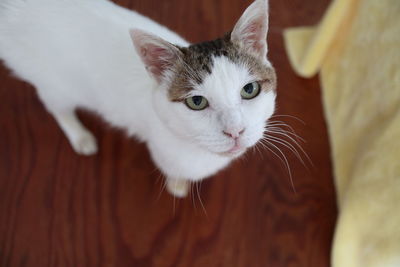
85,144
178,187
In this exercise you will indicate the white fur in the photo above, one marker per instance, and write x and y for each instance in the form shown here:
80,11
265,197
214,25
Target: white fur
79,54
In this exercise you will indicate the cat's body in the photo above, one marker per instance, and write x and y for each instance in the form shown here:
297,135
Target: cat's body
75,70
78,54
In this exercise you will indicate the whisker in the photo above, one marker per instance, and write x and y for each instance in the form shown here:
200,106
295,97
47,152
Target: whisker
289,116
176,183
280,132
256,148
198,195
192,196
280,123
286,132
265,145
287,145
286,162
163,185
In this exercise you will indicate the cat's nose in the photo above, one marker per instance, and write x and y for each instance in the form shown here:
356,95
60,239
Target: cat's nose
233,133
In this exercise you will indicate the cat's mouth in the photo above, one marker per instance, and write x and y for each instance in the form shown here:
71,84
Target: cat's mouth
236,150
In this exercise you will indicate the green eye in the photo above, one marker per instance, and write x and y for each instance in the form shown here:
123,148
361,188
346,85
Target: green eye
250,90
196,102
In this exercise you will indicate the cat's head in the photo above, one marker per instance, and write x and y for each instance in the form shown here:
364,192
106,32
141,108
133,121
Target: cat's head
216,94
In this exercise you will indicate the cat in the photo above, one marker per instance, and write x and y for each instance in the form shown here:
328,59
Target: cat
196,106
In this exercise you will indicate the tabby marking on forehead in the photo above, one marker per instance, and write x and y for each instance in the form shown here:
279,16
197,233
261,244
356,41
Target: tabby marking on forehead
196,62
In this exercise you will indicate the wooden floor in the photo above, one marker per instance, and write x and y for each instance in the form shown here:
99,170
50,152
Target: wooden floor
61,209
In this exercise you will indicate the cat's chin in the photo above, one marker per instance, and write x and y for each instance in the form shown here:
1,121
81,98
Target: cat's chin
234,152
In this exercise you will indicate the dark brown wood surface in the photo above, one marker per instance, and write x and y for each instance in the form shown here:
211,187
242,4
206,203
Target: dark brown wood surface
61,209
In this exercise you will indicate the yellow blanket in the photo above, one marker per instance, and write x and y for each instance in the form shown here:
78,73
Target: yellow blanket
356,49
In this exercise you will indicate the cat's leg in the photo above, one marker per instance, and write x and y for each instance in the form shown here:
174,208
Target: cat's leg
178,187
80,138
61,102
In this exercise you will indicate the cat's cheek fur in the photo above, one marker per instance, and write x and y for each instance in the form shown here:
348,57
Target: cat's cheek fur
173,115
262,110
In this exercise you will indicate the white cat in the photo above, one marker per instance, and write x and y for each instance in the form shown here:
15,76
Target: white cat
197,107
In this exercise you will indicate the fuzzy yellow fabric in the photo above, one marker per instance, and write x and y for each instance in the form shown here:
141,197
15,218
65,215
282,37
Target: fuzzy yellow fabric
356,49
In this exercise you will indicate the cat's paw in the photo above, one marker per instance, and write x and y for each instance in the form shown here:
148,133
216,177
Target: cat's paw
85,144
178,187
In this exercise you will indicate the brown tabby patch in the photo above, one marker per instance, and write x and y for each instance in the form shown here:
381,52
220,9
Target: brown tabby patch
196,63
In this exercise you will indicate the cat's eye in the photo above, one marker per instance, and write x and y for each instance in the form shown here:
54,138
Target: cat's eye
196,102
250,90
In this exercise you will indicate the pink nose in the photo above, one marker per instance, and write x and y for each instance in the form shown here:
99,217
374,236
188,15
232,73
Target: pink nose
233,134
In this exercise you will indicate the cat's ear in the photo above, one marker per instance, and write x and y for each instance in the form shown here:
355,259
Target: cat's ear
157,54
250,32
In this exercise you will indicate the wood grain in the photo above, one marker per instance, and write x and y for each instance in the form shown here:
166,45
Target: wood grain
61,209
